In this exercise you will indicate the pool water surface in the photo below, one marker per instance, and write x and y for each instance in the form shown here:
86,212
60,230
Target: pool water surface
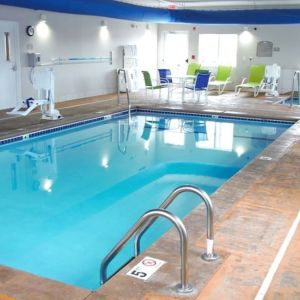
67,198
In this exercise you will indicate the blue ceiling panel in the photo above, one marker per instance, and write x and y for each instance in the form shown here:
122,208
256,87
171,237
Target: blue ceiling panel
119,10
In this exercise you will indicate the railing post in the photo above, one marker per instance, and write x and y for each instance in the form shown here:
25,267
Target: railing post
127,91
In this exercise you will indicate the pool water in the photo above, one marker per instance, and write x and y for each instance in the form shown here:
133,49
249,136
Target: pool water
67,198
294,101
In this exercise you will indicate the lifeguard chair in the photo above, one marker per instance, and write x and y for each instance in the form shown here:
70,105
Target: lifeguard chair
43,82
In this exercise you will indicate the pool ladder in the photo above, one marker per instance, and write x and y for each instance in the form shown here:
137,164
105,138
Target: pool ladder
145,222
127,90
296,77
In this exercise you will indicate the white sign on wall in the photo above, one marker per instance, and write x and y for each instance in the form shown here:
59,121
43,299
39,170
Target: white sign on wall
264,49
146,268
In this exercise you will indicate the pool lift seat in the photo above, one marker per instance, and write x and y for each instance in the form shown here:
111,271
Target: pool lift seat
270,84
43,82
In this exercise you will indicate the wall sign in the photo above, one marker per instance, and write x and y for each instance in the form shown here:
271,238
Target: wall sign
146,268
264,49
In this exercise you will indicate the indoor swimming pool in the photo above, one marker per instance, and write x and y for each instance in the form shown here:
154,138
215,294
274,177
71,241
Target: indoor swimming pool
68,197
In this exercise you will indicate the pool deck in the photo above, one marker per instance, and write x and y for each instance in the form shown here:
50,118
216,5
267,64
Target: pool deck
254,212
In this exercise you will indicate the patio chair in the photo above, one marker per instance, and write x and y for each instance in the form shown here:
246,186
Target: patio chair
255,82
150,86
200,85
165,77
221,79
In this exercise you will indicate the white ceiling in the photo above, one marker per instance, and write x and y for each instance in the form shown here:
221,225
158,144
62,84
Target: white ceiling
216,4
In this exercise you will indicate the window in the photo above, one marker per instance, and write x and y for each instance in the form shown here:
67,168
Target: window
218,49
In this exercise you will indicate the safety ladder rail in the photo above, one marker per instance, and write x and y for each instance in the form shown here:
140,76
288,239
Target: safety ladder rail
209,255
183,286
127,91
296,76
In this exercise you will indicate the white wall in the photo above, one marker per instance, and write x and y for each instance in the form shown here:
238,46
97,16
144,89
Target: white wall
283,36
79,36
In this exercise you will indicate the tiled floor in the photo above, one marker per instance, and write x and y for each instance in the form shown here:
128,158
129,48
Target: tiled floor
254,211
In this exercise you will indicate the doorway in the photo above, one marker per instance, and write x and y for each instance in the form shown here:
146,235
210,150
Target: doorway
9,64
175,51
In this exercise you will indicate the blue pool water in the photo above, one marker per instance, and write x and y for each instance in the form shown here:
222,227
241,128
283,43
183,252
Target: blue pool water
294,101
67,198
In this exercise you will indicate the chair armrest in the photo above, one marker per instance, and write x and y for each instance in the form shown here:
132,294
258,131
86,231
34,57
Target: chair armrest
228,79
244,80
212,77
164,81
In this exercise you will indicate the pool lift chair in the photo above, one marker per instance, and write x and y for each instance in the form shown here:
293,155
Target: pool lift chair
270,84
255,81
43,82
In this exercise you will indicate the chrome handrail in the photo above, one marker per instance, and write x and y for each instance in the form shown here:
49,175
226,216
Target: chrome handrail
127,91
184,286
296,76
209,255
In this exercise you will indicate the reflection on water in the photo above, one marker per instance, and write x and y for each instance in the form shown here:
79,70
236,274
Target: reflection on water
147,141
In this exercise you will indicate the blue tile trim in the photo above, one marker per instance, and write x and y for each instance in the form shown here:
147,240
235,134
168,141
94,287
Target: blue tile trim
213,116
27,136
134,111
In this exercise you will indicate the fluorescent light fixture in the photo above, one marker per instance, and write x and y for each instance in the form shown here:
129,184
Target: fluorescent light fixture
42,28
104,33
43,18
103,24
246,36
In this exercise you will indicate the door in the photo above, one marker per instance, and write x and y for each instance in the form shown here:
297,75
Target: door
176,51
9,64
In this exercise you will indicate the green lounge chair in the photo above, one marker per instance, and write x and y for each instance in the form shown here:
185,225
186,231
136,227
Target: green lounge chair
255,82
150,86
222,78
193,69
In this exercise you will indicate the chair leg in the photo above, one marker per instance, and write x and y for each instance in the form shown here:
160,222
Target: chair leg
237,90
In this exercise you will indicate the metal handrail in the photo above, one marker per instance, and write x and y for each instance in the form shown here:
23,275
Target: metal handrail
296,76
127,91
184,286
209,255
